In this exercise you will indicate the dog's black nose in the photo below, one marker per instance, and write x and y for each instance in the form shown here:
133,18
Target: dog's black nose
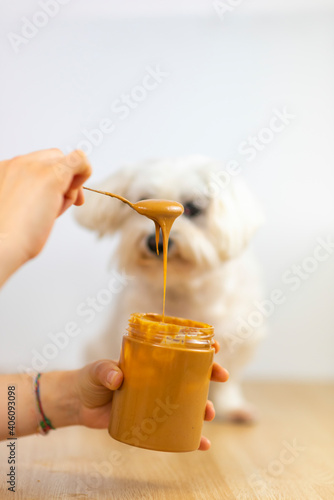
151,245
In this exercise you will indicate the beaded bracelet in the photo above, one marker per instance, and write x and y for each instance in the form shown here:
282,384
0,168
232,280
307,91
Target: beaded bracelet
45,424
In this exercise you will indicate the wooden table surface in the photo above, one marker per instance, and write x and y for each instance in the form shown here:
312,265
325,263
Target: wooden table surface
288,455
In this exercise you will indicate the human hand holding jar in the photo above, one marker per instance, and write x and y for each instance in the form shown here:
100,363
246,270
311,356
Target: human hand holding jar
94,392
167,368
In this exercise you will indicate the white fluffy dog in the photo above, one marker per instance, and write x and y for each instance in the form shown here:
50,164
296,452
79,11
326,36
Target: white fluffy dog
210,278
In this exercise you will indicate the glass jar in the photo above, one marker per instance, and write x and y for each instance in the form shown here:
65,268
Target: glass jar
167,368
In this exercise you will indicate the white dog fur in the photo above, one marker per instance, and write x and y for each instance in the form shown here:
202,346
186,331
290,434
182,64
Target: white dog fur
211,277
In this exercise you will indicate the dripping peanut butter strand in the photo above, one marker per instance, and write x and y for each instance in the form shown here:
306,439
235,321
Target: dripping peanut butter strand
166,226
165,238
157,235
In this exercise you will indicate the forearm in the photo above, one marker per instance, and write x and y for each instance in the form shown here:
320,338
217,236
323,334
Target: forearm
56,395
10,258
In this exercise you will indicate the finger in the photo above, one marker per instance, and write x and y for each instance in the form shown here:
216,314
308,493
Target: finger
209,411
71,198
216,345
106,373
219,374
73,170
67,202
80,198
80,167
204,444
44,155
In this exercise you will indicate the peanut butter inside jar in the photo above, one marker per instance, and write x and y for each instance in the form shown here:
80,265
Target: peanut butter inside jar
167,367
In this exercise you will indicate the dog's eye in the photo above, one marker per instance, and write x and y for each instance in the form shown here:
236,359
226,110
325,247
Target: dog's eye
191,210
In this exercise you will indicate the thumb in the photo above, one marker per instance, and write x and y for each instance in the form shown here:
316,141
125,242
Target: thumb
107,373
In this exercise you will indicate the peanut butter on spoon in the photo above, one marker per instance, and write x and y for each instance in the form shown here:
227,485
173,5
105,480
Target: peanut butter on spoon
163,213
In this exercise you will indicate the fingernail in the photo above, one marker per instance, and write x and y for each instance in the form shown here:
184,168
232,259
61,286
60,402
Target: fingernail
112,378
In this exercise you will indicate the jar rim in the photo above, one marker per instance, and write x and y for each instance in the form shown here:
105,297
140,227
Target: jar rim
173,331
170,324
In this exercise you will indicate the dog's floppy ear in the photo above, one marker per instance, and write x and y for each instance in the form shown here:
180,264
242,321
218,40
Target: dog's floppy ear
235,215
104,214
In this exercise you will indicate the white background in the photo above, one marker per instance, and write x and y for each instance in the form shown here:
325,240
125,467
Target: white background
225,78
